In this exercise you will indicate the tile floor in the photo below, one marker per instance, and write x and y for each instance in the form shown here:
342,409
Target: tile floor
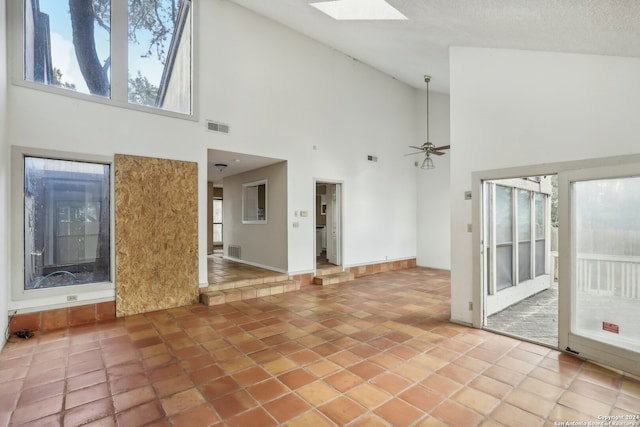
220,270
378,351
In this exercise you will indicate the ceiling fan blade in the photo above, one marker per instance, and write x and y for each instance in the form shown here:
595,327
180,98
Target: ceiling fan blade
444,147
417,152
417,148
437,153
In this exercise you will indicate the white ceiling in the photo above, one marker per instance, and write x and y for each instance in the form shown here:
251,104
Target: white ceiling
407,50
236,163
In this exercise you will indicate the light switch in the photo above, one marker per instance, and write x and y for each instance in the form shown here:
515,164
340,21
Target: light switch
296,225
304,213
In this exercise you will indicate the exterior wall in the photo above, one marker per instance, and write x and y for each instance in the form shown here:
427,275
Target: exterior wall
521,108
5,196
178,93
263,245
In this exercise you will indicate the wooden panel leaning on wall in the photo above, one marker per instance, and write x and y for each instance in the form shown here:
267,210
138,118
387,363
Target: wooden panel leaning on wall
156,215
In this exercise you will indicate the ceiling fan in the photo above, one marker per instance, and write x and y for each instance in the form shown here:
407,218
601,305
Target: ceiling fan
428,148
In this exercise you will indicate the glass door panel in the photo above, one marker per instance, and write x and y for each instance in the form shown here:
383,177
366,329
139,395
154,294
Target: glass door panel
601,305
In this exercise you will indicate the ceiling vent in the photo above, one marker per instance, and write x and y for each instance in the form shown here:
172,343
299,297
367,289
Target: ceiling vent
217,127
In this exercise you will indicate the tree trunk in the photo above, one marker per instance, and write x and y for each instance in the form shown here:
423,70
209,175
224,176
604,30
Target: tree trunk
84,43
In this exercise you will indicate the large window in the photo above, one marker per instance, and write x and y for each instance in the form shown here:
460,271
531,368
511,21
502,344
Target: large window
66,223
126,51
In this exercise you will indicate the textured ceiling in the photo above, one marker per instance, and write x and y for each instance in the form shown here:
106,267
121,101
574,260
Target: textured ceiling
407,50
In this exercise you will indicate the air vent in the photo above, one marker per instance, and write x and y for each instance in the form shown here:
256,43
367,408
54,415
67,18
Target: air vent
372,158
233,251
217,127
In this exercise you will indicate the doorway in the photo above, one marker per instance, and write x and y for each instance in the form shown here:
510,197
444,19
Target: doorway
328,223
518,244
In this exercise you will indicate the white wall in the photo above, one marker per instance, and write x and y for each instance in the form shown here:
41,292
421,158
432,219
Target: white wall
282,94
517,108
434,208
5,220
263,245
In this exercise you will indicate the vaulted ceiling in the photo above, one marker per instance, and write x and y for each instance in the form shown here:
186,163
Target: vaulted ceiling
409,49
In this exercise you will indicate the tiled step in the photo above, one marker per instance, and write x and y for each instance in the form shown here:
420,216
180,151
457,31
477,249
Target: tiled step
247,282
222,296
333,278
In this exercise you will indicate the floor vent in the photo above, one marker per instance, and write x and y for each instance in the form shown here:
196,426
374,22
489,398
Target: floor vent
233,251
217,127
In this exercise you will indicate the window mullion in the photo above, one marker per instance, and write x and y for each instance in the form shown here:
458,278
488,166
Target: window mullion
119,50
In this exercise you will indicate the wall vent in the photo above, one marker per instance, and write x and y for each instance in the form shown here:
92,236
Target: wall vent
372,158
217,127
233,251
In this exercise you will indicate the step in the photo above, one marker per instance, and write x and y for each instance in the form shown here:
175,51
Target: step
333,279
223,296
329,270
247,282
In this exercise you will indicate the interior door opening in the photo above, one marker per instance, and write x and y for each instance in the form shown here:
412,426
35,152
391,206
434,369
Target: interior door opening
519,248
328,248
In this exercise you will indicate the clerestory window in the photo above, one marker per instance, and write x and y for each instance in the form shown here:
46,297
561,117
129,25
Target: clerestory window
129,52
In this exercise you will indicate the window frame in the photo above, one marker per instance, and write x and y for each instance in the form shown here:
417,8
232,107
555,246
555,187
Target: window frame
25,300
119,61
247,185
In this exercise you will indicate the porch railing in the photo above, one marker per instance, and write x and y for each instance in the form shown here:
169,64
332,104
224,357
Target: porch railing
612,275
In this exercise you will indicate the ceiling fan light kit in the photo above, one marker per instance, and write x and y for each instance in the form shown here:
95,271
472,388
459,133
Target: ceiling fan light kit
428,148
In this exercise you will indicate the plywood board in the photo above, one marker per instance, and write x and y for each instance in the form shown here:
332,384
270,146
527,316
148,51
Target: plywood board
156,211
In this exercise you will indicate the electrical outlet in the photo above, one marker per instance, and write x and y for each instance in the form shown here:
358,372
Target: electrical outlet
469,228
470,306
72,298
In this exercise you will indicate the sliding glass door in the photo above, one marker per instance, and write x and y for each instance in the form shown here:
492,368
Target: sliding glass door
600,265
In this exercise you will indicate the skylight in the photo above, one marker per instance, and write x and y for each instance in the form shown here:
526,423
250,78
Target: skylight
343,10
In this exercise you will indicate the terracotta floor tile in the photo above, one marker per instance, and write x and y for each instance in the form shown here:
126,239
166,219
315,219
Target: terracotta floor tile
131,398
37,410
251,376
86,395
318,393
304,357
496,388
391,382
399,413
366,370
287,407
421,398
268,390
255,417
583,404
219,387
202,415
141,415
182,401
310,419
322,368
507,413
88,412
209,373
479,401
369,395
342,410
344,380
37,393
456,415
457,373
173,385
233,404
296,378
345,358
